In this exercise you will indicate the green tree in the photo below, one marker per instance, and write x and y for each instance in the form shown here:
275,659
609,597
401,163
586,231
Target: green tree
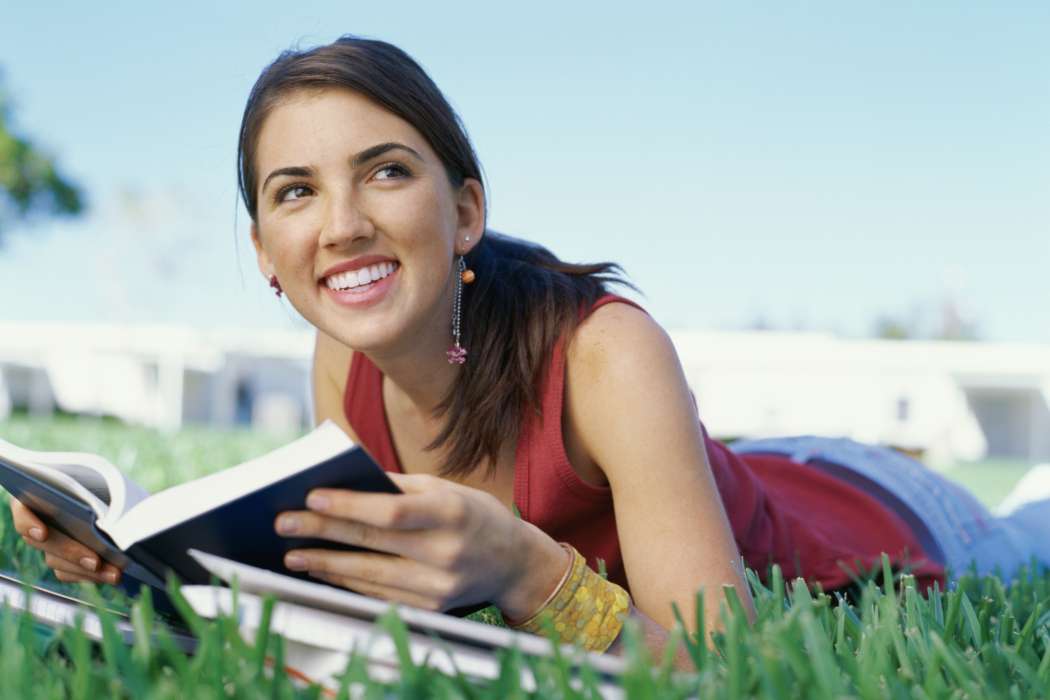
946,322
30,182
888,327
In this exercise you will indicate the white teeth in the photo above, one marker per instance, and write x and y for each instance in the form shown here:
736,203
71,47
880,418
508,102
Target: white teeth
360,277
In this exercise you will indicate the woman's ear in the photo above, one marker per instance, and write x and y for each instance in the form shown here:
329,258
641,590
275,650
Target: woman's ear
265,266
470,208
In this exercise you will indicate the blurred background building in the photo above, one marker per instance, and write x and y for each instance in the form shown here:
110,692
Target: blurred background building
948,402
160,376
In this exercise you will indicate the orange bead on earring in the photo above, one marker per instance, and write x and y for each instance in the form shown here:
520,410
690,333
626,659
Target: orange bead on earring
466,274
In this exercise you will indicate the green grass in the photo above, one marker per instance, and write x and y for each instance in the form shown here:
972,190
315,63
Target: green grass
989,480
980,640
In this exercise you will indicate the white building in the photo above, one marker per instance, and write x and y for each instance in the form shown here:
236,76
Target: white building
163,376
952,401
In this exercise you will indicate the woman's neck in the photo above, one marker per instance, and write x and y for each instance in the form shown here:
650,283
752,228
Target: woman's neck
419,385
419,372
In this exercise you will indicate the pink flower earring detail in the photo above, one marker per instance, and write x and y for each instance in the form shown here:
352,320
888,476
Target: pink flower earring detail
457,354
276,286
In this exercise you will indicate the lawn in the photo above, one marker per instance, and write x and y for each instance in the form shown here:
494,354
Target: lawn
980,640
990,480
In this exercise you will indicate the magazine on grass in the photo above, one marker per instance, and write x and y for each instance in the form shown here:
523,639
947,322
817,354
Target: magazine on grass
55,609
229,513
322,617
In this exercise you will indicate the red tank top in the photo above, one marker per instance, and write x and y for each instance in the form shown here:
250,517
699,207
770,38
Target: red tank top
810,523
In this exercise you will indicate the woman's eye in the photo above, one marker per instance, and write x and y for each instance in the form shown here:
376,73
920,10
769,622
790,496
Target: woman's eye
292,193
391,171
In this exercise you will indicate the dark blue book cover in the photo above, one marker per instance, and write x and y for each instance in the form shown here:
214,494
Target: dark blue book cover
243,529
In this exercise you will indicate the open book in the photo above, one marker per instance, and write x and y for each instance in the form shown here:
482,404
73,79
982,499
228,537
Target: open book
229,513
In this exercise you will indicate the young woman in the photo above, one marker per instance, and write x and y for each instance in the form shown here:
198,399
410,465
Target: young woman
493,380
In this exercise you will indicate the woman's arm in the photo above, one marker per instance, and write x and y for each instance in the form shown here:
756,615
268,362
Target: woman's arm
628,408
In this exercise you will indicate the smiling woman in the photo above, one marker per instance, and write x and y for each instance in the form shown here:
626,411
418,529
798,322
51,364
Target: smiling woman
488,376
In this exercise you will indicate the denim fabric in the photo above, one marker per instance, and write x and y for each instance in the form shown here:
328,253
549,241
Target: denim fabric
966,532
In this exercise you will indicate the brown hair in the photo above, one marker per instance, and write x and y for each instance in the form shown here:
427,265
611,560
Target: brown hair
524,297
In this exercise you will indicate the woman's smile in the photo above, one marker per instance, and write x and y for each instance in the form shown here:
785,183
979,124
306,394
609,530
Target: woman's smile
362,286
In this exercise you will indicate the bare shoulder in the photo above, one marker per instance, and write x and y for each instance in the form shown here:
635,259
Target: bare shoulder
331,364
617,338
621,372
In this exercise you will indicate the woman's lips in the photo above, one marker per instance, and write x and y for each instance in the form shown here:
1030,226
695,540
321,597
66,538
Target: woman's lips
363,295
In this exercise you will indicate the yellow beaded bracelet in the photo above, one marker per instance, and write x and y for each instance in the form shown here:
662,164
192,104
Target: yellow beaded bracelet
585,608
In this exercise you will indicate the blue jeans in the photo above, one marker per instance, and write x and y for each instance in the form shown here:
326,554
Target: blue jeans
945,515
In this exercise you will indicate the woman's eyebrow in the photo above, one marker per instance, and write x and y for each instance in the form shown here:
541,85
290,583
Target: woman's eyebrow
293,170
378,150
359,159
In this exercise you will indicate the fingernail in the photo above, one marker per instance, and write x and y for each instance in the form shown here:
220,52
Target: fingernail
89,563
287,524
37,534
316,501
295,562
110,576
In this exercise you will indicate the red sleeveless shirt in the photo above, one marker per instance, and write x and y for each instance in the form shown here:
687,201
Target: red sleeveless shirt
810,523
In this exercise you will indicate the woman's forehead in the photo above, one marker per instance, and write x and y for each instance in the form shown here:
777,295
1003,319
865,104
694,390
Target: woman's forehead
331,121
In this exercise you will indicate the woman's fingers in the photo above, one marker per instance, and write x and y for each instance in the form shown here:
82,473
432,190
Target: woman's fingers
69,557
427,505
305,523
425,546
380,575
394,595
63,547
68,571
26,523
71,560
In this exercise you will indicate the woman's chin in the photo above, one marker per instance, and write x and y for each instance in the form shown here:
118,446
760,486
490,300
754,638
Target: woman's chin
372,330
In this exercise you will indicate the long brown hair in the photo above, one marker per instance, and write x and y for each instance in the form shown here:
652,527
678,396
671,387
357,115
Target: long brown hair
524,298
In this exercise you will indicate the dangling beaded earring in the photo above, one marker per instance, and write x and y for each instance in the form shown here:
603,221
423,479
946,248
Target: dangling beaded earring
276,286
457,354
465,273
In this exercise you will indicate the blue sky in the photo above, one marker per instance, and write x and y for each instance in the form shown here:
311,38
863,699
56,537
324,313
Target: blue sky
811,164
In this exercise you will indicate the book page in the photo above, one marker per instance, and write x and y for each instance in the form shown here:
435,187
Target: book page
95,474
59,469
178,504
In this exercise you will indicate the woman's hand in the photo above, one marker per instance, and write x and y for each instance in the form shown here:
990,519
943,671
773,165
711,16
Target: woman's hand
70,560
439,545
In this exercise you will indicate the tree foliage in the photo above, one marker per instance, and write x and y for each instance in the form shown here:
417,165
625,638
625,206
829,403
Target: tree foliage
30,183
943,321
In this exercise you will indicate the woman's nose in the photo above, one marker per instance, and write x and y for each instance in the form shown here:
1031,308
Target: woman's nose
345,221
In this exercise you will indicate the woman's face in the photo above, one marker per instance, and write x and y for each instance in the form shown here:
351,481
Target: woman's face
357,218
